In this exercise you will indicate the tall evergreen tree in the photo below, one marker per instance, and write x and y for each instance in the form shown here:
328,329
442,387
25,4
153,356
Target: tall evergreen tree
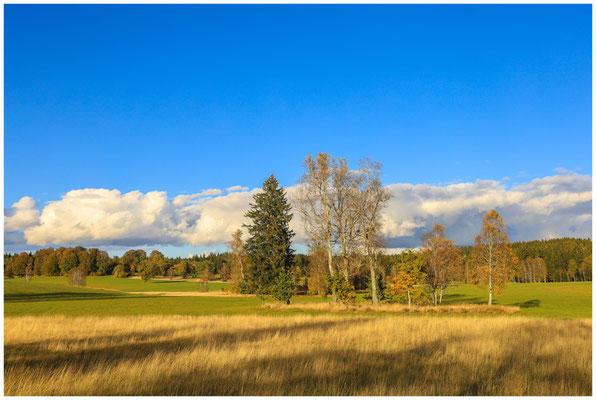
268,246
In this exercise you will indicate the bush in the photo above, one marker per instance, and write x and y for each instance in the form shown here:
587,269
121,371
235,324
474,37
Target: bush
77,277
240,288
344,289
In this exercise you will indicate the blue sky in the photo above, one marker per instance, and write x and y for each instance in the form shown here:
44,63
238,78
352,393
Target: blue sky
186,98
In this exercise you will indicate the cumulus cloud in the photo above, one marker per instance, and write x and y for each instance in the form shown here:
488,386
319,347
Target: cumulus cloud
236,188
554,206
21,215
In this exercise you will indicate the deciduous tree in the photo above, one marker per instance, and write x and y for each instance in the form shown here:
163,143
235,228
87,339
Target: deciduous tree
238,262
493,259
443,260
314,201
373,199
68,261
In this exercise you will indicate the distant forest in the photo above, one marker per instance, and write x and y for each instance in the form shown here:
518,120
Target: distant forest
566,259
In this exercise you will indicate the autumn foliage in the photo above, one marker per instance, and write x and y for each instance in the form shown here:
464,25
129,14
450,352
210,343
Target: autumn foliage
493,259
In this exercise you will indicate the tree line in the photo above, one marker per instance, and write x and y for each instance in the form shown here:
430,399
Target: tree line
63,260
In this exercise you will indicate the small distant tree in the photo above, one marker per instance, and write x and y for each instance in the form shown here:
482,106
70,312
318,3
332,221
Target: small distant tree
28,274
493,258
77,277
238,263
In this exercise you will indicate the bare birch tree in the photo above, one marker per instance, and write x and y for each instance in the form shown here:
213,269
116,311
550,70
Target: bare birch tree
345,204
313,201
341,211
374,198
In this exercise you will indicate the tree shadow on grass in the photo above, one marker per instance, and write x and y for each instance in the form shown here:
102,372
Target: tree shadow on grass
422,369
528,304
39,355
62,296
462,298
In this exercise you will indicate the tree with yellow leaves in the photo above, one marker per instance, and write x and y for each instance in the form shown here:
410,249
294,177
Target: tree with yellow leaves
443,261
492,258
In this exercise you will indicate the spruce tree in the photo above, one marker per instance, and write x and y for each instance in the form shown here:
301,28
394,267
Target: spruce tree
268,246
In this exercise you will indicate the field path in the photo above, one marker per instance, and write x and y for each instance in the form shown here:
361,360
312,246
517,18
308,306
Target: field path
177,294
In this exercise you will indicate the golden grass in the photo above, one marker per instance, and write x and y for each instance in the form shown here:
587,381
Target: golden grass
296,355
398,308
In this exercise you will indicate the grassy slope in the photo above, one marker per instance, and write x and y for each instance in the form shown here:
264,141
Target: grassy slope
54,296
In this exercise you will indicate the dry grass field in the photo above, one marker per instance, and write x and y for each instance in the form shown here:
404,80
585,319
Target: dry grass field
297,355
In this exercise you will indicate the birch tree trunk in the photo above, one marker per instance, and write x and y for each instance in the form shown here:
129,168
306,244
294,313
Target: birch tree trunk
373,277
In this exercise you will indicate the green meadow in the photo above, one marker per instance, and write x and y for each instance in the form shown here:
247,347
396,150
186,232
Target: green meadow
107,295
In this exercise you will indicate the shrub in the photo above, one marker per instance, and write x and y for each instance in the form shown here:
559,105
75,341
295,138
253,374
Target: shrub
77,277
344,289
240,288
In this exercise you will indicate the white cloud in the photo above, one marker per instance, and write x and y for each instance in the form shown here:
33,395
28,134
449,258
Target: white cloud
21,215
554,206
236,188
210,192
